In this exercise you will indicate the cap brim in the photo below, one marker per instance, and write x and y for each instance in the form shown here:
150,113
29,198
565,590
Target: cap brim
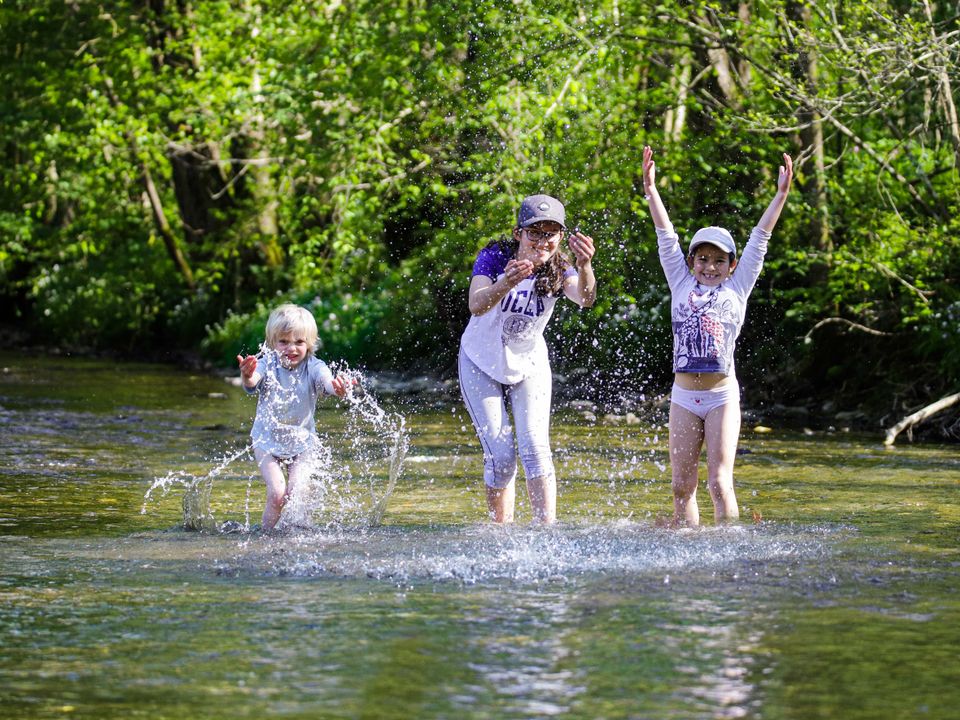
710,242
540,218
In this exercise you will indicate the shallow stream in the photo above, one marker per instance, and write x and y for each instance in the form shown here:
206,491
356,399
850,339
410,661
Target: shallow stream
841,602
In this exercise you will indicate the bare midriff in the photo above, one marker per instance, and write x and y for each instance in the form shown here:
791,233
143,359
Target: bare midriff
701,381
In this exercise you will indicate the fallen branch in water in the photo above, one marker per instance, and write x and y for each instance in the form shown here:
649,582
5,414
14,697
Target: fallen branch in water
919,416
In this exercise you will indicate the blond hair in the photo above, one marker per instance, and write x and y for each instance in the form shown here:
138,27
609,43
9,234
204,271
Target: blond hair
290,318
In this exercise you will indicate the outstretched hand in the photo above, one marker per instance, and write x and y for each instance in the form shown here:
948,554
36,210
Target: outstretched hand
658,213
248,366
582,248
342,383
649,170
786,175
517,271
770,216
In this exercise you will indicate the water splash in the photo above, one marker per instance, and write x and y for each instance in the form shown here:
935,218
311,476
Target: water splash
196,492
401,444
374,437
319,492
391,430
562,553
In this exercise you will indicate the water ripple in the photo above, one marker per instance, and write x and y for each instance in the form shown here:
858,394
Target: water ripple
528,555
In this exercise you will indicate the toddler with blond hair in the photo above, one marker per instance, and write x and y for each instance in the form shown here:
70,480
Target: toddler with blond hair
287,379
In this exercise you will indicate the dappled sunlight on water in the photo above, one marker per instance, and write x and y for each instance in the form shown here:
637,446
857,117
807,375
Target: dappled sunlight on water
840,602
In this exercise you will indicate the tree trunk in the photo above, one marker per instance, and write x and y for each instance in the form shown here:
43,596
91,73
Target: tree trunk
263,187
946,92
675,118
160,218
153,199
804,71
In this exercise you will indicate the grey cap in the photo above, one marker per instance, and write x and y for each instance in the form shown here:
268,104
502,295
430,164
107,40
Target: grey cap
715,236
538,208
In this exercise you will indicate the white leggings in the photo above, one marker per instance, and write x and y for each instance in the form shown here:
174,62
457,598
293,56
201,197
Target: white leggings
530,399
700,402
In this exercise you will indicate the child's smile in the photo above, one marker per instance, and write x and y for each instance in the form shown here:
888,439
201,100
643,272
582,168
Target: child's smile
292,349
540,241
710,265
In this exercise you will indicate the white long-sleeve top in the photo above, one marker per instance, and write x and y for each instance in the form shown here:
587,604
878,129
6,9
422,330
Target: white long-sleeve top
707,320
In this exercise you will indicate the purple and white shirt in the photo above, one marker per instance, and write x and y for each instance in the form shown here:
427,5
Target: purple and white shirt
506,342
707,320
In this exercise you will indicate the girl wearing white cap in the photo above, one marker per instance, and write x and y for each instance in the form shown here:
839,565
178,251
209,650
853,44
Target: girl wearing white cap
514,288
708,305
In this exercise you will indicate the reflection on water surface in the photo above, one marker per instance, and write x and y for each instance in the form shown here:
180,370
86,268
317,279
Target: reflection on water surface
841,603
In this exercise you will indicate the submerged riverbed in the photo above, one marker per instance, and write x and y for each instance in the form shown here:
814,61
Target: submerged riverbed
840,602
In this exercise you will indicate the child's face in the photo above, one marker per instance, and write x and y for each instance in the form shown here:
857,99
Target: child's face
539,241
710,265
292,348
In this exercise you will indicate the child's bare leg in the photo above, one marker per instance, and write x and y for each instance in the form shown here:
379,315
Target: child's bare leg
298,472
543,498
686,440
276,488
722,429
500,502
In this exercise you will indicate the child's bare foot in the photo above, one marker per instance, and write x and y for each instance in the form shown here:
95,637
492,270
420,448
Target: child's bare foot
669,522
230,527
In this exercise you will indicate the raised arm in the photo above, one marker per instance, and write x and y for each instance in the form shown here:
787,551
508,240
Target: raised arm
657,211
582,289
770,216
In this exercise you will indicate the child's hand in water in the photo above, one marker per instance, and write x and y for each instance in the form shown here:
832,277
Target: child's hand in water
341,383
248,366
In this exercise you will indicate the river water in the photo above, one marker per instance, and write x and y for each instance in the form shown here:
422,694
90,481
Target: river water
841,602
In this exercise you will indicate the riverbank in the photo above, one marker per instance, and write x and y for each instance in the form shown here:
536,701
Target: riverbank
576,395
597,397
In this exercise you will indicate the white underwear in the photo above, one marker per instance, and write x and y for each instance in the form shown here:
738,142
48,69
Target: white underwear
701,402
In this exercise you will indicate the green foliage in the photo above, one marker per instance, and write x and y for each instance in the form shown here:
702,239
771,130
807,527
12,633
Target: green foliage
169,174
347,325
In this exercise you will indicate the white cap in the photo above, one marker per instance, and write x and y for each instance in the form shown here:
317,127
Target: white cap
715,236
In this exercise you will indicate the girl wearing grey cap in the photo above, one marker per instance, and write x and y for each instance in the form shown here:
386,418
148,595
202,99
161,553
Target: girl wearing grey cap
513,291
708,305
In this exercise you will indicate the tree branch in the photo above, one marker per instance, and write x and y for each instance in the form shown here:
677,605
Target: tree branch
920,416
849,323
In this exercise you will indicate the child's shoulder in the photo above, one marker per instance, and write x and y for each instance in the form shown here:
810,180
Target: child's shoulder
492,259
318,369
266,360
315,363
320,375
